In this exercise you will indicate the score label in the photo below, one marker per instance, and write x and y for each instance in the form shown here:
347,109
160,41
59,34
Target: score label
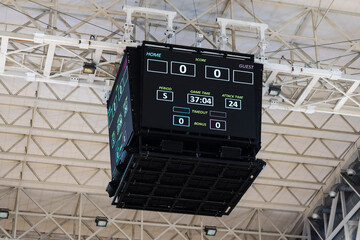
233,103
200,99
183,69
182,121
217,73
163,95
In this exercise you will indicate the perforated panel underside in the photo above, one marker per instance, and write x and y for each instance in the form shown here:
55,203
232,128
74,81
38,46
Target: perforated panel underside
194,186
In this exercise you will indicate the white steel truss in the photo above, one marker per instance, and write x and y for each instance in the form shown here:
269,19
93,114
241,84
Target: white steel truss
348,226
53,69
53,119
59,52
135,228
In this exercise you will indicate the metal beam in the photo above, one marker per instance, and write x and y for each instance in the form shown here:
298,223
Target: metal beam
281,157
332,215
341,102
3,51
49,59
59,186
351,183
358,231
65,187
296,158
61,105
306,91
269,205
344,221
151,224
344,212
64,134
33,158
309,132
53,186
313,108
288,183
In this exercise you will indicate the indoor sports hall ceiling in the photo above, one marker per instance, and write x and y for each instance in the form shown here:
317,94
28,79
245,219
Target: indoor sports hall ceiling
54,157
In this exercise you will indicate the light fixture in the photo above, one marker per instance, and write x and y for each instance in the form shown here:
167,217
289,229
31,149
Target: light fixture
337,188
320,210
353,168
101,221
89,68
210,231
4,213
274,90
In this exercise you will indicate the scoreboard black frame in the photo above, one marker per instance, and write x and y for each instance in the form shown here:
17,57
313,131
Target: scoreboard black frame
191,131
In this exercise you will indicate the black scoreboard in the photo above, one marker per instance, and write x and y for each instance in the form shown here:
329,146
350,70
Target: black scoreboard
201,92
184,129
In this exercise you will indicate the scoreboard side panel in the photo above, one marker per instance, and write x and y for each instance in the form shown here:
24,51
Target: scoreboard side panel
119,113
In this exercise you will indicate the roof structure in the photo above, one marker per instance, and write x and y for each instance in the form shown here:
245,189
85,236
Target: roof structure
54,154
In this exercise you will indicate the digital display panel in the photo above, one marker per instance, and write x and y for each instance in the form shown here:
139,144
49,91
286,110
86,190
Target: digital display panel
119,114
194,91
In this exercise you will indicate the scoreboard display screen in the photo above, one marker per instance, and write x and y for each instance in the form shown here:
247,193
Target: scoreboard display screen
119,114
201,92
184,129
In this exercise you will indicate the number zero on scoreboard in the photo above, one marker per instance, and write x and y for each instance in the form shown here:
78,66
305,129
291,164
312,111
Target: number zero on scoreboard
217,73
216,124
183,69
182,121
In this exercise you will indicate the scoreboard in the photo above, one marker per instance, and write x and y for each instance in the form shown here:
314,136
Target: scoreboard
119,114
199,92
184,129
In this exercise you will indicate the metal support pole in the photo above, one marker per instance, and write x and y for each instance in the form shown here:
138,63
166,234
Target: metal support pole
3,51
332,215
170,15
344,213
344,221
358,231
49,59
80,216
308,229
224,22
199,39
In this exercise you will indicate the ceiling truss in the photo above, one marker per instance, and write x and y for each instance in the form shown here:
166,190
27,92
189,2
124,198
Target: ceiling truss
57,116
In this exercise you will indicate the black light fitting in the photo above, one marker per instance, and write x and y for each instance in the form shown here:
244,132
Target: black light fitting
101,221
4,213
274,90
210,230
89,68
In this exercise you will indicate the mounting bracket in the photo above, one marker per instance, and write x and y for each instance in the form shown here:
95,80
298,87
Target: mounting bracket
129,26
224,22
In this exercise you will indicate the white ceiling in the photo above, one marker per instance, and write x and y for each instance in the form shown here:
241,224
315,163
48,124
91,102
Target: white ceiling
54,142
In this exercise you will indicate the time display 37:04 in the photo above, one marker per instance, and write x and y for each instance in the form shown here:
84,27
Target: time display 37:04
200,99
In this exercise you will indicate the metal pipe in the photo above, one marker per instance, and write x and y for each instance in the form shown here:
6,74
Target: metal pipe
353,168
339,187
